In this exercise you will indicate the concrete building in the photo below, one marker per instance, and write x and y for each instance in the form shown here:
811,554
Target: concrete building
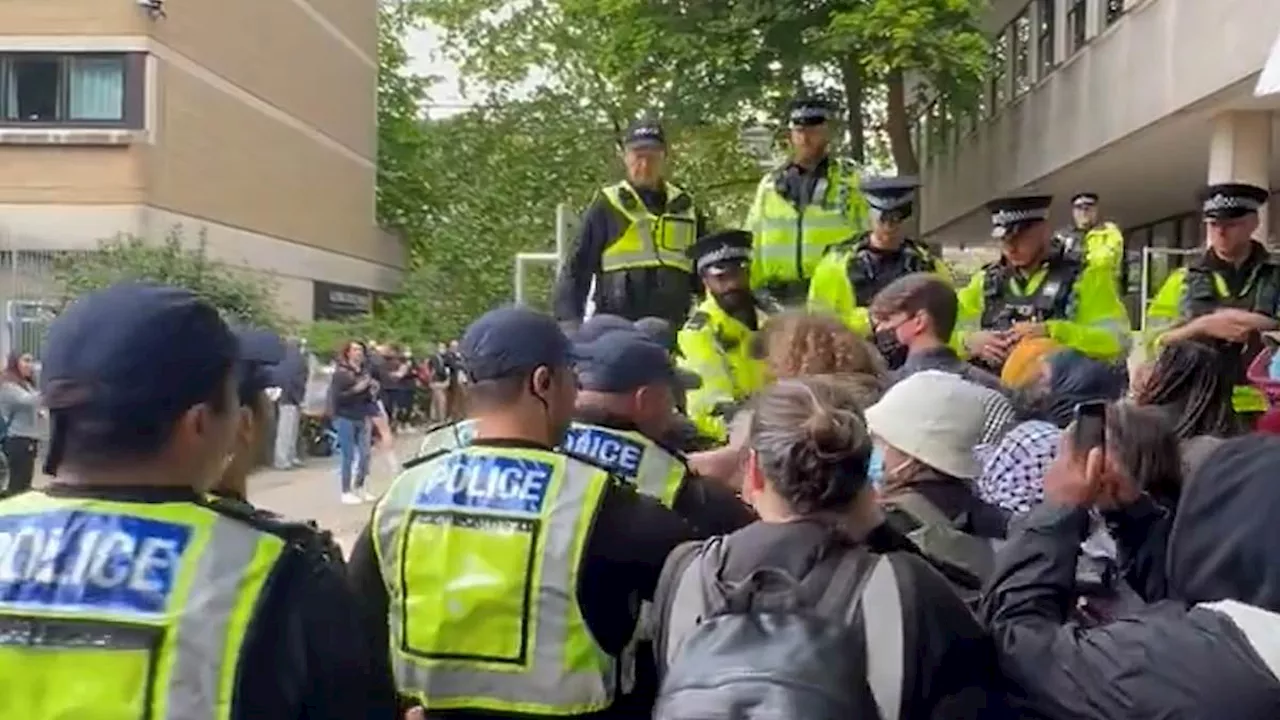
253,121
1141,101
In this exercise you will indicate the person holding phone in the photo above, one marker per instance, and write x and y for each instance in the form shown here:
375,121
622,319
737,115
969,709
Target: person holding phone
1229,295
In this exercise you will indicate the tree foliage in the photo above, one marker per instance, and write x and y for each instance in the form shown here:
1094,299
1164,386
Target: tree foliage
242,297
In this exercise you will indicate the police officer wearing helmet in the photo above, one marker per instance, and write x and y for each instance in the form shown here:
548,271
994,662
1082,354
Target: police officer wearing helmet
1228,295
632,241
1037,290
624,410
503,579
803,208
854,271
716,341
129,592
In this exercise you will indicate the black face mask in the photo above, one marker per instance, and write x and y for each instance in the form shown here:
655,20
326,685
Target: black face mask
894,352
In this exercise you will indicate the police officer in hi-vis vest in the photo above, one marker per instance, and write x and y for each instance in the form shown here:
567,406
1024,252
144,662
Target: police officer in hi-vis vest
125,590
503,579
802,208
625,407
632,242
1228,295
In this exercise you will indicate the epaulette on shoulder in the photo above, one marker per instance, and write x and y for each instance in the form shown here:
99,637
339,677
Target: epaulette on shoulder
421,459
697,320
303,535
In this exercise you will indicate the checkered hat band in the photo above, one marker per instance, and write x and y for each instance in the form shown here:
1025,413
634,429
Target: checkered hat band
1013,217
1221,202
724,254
809,114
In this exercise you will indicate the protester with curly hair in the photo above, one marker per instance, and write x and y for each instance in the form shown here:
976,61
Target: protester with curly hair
803,344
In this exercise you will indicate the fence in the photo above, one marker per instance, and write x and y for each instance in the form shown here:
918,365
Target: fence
29,294
535,272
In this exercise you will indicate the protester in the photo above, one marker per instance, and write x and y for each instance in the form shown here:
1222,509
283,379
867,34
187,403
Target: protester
927,427
19,422
1145,448
1211,651
439,367
351,400
290,375
918,647
804,344
914,317
1189,383
1026,362
453,564
1013,468
266,629
1067,378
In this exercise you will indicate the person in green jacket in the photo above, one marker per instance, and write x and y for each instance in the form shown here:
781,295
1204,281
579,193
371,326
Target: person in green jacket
1036,289
852,272
1228,295
1098,242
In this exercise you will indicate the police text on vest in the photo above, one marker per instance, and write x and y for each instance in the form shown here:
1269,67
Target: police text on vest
78,560
483,481
615,452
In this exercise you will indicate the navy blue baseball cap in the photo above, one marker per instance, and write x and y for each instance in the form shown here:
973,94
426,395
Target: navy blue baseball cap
512,341
258,352
625,360
144,348
597,325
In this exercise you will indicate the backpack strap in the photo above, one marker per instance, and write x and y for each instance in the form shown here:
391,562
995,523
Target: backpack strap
881,605
1260,628
920,509
678,601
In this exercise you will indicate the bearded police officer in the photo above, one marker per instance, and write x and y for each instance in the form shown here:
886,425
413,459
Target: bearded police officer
716,342
503,578
1098,242
1228,295
625,406
1037,290
854,271
632,242
125,591
803,208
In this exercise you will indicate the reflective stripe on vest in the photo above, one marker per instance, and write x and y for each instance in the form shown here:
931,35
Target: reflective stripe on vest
649,240
142,608
480,550
789,244
1044,296
447,437
631,456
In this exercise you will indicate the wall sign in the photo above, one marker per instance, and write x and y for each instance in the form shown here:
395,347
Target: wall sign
334,302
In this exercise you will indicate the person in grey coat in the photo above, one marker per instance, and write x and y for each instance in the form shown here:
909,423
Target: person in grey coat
1210,650
19,422
290,375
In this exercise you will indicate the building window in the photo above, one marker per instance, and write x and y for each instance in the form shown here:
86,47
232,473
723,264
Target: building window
999,73
1114,9
1044,37
1077,25
1021,31
80,90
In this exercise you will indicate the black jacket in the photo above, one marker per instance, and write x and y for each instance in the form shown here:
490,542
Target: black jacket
951,668
659,292
1172,659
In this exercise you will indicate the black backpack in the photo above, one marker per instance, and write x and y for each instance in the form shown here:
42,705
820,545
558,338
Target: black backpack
773,647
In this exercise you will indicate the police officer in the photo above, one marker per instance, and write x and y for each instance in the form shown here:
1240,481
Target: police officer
854,271
716,342
632,241
1037,290
1099,243
125,590
803,208
625,407
1228,295
260,351
508,574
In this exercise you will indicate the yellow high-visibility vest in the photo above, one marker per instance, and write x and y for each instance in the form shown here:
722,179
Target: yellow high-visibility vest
650,240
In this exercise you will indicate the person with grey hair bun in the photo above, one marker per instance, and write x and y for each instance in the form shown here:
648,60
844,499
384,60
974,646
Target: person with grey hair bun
805,473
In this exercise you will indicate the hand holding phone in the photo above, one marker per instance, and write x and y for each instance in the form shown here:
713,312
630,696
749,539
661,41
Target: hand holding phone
1090,426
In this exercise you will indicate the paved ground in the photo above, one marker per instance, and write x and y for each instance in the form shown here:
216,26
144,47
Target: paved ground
311,492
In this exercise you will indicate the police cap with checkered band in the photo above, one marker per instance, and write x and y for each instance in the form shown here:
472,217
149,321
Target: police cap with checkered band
721,251
1227,201
1010,214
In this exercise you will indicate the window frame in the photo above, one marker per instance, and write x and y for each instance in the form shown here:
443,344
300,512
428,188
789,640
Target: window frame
1000,81
1021,75
133,100
1077,19
1112,11
1046,34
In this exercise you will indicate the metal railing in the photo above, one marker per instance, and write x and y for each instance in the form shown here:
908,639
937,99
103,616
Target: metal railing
29,294
564,226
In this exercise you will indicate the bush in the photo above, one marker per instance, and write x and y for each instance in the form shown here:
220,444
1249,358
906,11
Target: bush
241,296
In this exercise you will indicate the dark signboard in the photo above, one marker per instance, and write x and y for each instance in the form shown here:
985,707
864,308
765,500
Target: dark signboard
334,302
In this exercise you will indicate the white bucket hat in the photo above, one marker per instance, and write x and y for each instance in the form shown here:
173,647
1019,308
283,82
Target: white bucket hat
936,418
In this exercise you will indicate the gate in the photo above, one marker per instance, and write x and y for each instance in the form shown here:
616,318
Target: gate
547,262
29,295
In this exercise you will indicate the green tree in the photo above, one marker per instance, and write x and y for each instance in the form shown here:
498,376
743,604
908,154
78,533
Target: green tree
242,296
